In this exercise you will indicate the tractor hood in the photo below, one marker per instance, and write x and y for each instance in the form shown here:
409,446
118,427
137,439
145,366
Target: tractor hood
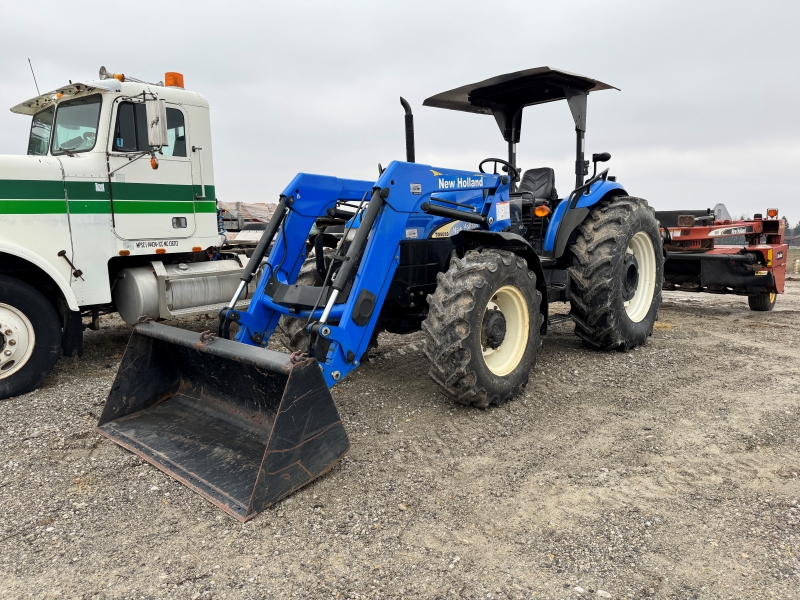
506,95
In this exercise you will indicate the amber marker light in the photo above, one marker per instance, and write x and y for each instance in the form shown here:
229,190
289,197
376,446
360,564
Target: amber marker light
172,79
124,252
154,163
541,211
772,213
196,248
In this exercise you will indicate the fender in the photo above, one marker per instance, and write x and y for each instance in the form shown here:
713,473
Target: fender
519,246
572,211
47,267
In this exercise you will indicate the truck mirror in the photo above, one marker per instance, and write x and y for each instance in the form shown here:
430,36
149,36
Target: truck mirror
156,123
601,157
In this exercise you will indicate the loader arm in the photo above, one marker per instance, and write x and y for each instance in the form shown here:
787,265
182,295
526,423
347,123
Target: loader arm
353,316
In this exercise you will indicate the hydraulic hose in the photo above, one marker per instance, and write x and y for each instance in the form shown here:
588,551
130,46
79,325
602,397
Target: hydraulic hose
260,251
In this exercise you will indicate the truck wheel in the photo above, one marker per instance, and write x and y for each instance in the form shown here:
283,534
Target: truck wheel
30,337
762,302
617,270
483,327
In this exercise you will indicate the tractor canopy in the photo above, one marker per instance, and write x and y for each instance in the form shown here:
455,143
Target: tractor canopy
504,96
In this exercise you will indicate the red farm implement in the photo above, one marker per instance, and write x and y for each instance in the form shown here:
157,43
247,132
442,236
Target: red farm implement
706,252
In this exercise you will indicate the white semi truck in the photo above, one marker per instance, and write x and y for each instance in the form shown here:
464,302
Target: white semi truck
113,209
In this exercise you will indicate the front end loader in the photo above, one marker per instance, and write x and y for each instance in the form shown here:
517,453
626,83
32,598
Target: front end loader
472,258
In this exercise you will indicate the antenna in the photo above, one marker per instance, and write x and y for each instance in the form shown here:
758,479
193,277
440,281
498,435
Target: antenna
34,78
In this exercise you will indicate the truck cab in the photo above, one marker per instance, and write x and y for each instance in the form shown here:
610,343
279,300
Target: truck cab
118,175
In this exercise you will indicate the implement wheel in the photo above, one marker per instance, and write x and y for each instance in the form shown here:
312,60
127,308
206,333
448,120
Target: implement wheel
617,270
483,327
762,302
30,337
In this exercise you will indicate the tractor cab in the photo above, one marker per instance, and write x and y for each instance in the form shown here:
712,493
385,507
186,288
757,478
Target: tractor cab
504,97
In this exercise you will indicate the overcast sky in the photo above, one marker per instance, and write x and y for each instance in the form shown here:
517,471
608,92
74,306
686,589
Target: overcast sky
707,112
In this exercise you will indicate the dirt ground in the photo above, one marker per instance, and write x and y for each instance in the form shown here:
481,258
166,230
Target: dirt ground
671,471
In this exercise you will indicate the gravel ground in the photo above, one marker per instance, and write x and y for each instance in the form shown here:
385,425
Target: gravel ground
671,471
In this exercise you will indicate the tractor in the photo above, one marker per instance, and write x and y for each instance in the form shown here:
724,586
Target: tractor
472,258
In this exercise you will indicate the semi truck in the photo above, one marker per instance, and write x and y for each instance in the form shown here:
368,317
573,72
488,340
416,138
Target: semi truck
112,209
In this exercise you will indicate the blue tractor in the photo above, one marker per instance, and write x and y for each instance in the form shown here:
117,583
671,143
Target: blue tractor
472,258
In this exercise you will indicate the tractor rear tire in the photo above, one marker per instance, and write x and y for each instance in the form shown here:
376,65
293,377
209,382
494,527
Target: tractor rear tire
483,327
30,337
616,272
762,302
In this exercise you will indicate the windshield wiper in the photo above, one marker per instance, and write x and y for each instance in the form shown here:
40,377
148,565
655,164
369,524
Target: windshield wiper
67,151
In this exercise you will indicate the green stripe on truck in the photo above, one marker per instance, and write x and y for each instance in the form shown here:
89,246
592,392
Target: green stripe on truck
36,197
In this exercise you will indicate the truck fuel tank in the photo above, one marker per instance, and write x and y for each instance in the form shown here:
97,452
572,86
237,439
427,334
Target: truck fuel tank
162,291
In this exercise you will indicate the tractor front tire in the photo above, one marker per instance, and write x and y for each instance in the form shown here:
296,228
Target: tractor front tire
762,302
30,337
483,327
292,331
616,272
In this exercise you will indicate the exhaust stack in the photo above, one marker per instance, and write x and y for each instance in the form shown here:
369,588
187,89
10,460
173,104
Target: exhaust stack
409,131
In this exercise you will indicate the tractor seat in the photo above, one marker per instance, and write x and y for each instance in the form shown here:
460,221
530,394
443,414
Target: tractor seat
540,183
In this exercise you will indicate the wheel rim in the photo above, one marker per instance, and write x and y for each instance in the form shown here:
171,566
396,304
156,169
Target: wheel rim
772,296
642,250
505,358
17,340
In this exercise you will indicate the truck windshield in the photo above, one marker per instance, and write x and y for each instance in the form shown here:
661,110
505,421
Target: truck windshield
39,140
76,125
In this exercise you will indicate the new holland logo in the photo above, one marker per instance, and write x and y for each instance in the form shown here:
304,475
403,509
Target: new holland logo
460,182
436,173
730,231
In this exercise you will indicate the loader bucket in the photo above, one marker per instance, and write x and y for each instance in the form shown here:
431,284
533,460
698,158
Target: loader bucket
241,426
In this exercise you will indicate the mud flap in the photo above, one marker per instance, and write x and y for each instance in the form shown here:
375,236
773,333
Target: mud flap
241,426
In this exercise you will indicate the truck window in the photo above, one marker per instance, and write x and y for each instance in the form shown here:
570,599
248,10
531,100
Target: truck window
76,123
176,133
130,132
39,140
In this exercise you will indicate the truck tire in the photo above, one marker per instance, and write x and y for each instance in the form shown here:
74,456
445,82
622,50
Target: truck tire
616,272
762,302
482,327
30,337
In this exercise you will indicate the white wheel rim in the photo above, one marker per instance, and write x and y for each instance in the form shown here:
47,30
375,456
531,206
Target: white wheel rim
639,305
16,340
505,358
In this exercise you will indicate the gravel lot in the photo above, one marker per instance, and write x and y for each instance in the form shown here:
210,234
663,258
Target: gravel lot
671,471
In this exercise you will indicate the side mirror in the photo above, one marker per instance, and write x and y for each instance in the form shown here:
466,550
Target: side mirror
601,157
156,123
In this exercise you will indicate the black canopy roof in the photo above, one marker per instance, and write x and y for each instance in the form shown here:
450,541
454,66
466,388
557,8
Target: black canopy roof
506,95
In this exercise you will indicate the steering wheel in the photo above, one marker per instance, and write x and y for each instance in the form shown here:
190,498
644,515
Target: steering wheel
512,170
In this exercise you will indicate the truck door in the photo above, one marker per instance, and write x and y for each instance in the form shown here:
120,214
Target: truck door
148,203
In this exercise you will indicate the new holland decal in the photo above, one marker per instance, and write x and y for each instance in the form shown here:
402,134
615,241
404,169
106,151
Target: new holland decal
452,228
731,231
460,182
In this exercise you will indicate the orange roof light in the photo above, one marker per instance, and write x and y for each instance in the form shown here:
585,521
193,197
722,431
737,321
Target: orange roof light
119,77
541,211
772,213
172,79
